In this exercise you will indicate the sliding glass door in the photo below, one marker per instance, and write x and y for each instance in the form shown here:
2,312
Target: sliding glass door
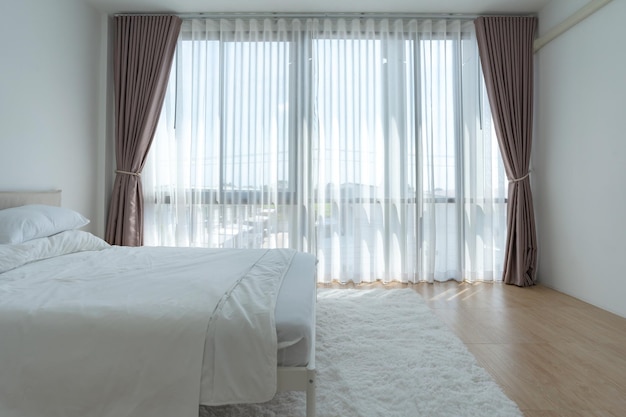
365,142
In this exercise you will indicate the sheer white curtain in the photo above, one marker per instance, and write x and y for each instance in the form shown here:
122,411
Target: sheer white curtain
367,142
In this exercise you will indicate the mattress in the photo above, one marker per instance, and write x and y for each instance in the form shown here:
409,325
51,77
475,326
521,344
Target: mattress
295,312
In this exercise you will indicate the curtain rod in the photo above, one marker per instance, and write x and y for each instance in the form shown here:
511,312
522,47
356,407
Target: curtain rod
354,15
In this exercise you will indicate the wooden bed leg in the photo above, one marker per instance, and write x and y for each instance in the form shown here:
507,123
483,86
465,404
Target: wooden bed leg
310,395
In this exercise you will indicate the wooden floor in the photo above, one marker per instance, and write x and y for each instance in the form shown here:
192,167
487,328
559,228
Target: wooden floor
554,355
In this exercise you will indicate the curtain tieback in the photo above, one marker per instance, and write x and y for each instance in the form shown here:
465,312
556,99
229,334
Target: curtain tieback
521,178
136,174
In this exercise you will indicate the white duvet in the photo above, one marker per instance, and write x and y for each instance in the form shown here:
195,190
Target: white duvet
92,330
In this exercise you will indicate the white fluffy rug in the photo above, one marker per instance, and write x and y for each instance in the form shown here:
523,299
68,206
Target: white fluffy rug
384,353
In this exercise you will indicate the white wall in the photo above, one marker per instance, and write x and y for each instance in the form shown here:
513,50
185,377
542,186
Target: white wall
49,101
579,155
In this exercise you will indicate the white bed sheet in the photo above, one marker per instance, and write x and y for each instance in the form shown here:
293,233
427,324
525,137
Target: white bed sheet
73,345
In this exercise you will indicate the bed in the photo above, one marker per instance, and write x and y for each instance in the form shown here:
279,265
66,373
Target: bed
90,329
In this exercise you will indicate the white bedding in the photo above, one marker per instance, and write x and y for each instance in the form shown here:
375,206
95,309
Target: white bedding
115,331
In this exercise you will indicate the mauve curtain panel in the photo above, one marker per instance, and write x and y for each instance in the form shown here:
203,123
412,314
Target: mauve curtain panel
505,46
144,49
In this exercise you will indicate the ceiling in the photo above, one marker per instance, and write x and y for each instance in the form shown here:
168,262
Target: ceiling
319,6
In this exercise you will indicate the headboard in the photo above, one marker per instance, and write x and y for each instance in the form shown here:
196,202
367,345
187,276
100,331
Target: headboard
20,198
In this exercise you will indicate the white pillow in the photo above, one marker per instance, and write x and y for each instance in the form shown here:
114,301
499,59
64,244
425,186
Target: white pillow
70,241
24,223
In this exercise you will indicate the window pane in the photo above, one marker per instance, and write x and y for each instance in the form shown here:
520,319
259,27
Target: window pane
438,117
256,111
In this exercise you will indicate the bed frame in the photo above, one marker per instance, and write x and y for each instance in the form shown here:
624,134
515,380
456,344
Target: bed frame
20,198
301,378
